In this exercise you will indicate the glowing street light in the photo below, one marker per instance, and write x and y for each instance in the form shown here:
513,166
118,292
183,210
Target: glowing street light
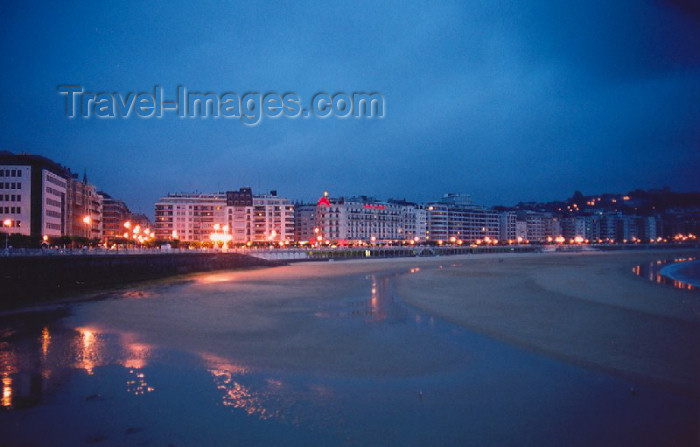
7,223
87,220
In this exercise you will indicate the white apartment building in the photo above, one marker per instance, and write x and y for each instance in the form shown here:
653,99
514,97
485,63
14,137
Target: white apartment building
360,219
507,228
189,217
272,219
15,194
450,221
238,214
33,195
540,226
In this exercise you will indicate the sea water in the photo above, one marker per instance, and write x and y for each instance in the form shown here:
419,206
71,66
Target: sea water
687,272
681,273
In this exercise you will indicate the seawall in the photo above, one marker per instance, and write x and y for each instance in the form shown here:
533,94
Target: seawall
28,280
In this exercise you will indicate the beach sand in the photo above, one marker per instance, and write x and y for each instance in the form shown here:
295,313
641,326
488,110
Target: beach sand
588,309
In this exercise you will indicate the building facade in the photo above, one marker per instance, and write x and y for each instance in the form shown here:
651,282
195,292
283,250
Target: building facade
272,219
507,227
189,217
238,214
451,221
84,209
359,219
34,195
115,213
540,227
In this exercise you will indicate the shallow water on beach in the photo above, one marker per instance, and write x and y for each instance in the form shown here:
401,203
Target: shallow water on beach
98,373
681,273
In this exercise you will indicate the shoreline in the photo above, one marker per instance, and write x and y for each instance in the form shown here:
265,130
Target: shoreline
588,310
83,293
679,272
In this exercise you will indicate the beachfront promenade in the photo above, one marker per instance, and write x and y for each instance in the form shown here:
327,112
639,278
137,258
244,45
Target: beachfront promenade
346,252
291,254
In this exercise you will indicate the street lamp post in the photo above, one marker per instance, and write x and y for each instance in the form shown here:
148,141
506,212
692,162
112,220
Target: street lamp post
7,223
87,221
127,225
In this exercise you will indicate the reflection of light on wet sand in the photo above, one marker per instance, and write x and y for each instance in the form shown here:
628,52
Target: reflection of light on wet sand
273,398
90,350
373,309
136,355
8,366
87,354
378,299
138,385
211,278
6,391
235,394
45,341
653,273
136,358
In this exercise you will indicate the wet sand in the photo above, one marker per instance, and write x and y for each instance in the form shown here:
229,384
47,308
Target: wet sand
588,309
353,353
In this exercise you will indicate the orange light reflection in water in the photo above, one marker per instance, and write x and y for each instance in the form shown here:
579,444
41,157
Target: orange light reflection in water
137,384
45,341
653,269
136,355
6,391
378,298
212,278
136,358
235,394
8,366
88,354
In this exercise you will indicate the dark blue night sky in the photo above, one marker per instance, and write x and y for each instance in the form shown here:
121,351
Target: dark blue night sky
507,101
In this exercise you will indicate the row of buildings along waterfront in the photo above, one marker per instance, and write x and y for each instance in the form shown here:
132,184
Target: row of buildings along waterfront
42,199
243,217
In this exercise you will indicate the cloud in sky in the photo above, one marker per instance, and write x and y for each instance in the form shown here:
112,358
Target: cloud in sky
509,101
